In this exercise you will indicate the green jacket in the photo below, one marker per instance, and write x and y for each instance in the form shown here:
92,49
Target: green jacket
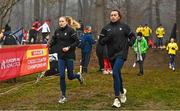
143,46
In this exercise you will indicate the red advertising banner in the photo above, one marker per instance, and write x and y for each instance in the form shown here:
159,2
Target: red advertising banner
23,60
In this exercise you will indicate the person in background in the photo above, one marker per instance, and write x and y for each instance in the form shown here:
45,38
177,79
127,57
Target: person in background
86,42
36,24
172,47
140,48
32,35
118,37
9,39
139,29
73,23
45,31
81,29
160,32
1,36
65,42
25,36
7,30
106,61
81,25
147,31
99,54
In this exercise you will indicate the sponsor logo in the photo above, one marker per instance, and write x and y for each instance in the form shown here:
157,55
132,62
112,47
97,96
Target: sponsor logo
36,53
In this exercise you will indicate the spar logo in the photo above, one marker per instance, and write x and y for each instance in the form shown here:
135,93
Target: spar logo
36,53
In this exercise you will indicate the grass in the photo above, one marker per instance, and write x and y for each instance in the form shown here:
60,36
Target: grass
156,90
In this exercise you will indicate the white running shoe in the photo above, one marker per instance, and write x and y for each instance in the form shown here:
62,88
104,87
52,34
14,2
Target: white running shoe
134,65
170,66
110,72
173,69
105,72
81,79
123,97
62,99
116,103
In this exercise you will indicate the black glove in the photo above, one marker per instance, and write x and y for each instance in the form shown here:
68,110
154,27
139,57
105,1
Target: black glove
102,41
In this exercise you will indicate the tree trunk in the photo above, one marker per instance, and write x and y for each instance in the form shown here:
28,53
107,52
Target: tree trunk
36,9
85,11
64,7
150,13
177,20
128,2
23,13
30,14
60,7
157,12
6,10
80,10
100,19
42,9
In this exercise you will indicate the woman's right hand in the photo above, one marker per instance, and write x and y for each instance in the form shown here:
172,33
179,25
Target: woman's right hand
65,49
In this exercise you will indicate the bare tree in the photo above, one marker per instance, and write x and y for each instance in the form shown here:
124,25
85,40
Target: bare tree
85,11
125,7
60,3
36,9
5,10
117,3
158,21
150,12
22,13
128,8
177,20
64,7
100,16
42,9
80,9
84,7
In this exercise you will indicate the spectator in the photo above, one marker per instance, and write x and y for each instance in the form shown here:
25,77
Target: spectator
45,31
32,35
86,42
1,36
140,48
160,32
147,31
81,29
9,39
139,29
99,54
36,24
7,30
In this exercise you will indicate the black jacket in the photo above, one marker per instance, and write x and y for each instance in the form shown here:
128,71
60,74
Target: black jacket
32,33
10,40
118,38
64,37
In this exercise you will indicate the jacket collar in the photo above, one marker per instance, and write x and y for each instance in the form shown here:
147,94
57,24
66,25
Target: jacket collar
115,23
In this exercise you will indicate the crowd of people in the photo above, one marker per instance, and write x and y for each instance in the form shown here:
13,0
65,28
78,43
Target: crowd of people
112,48
147,32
